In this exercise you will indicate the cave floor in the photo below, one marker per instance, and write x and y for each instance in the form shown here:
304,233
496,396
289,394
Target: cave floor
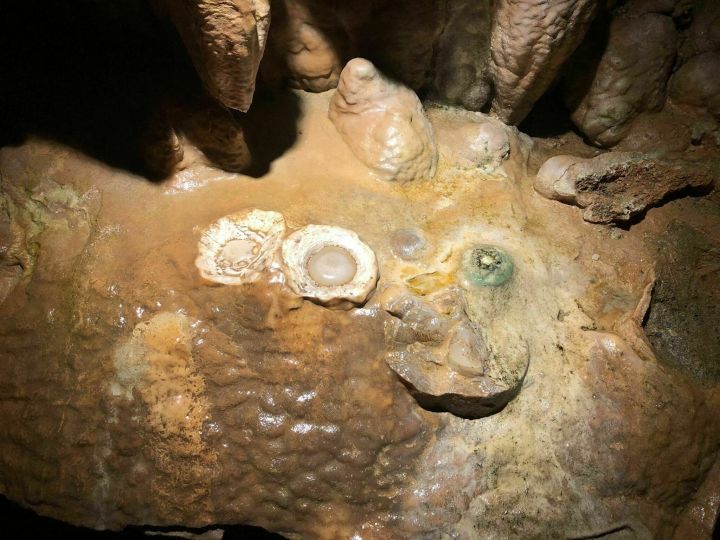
614,429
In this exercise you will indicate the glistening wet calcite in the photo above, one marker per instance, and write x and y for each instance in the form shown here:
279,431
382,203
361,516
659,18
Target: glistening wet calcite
228,403
133,391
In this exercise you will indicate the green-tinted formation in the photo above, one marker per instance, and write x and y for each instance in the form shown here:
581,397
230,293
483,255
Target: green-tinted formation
486,266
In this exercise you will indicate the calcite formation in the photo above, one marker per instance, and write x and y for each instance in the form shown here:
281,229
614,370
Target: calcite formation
226,41
330,265
383,123
606,186
301,347
473,141
530,42
630,78
240,247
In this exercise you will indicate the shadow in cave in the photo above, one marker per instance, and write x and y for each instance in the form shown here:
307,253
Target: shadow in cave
18,522
550,116
95,75
89,74
270,127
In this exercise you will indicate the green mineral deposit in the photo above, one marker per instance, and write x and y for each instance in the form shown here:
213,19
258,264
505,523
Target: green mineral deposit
487,266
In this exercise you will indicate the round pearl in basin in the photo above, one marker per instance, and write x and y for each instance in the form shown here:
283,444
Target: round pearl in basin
331,266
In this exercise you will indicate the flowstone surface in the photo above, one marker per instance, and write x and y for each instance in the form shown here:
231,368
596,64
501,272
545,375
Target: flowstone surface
134,391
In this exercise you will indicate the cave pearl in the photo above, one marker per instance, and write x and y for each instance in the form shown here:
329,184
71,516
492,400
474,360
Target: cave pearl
331,266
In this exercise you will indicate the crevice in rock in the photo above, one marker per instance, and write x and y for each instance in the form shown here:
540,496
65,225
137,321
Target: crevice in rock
19,522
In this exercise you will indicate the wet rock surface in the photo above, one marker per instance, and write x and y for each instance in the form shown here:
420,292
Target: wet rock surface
681,436
134,391
199,412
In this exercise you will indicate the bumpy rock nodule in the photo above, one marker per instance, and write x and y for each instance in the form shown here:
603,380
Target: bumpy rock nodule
453,348
630,78
531,40
442,358
472,140
383,123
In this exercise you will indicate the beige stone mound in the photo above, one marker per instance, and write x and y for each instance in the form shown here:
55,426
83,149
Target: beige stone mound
383,123
473,141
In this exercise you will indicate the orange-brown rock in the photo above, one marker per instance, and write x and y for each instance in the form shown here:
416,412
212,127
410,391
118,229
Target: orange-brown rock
531,40
225,40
